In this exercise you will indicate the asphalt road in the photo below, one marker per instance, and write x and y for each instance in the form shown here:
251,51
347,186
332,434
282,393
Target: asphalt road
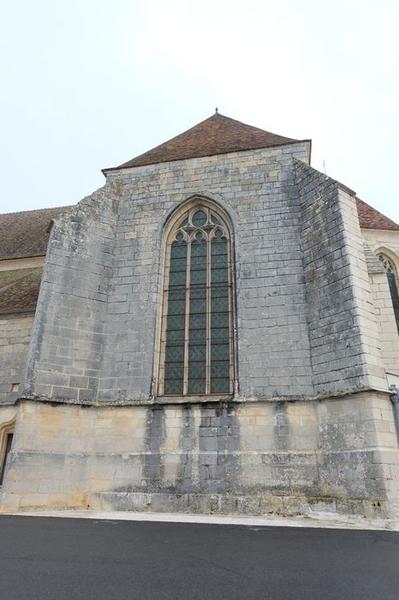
75,559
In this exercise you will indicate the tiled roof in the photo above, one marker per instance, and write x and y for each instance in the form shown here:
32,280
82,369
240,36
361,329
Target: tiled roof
19,290
26,233
216,135
370,218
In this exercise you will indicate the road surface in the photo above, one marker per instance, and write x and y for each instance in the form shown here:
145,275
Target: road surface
83,559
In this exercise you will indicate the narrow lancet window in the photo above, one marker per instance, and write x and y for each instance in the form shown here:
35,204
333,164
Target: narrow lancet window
392,277
196,333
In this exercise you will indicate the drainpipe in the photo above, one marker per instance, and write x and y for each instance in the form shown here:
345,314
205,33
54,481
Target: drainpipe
395,401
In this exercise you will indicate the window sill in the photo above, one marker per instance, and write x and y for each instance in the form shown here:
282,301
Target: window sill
193,399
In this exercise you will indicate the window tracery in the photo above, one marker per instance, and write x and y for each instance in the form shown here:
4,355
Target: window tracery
196,332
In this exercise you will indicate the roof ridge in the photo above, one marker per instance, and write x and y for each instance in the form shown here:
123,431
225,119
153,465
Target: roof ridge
219,114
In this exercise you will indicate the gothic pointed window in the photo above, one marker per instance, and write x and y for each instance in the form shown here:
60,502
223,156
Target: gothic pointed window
392,277
196,333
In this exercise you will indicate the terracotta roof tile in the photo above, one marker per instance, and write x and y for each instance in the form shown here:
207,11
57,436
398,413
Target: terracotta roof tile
370,218
19,290
216,135
26,233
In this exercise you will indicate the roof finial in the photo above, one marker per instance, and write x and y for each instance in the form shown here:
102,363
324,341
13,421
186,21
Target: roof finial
216,110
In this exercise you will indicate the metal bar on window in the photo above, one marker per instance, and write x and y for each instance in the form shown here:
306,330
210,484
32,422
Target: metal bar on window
208,317
197,347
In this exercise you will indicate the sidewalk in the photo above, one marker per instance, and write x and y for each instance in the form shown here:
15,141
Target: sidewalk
315,520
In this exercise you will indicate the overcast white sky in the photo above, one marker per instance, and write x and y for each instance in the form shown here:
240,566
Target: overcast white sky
88,84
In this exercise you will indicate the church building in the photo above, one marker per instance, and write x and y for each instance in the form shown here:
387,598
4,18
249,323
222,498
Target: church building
216,329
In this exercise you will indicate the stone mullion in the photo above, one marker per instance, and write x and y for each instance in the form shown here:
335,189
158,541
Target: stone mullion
230,308
187,320
164,320
208,317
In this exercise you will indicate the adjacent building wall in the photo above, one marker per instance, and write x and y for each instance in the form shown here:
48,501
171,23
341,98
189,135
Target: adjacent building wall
386,242
380,239
15,332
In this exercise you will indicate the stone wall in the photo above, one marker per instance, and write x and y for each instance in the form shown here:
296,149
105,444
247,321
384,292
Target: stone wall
94,336
339,455
387,242
387,325
256,190
380,239
67,338
342,325
15,332
96,327
295,436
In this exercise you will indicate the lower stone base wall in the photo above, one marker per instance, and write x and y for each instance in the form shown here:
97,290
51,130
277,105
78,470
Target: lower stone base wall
339,455
232,504
15,331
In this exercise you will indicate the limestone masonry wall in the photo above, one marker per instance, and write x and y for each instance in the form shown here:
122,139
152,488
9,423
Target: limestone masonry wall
312,423
94,334
386,242
383,239
256,189
342,325
15,332
254,458
65,356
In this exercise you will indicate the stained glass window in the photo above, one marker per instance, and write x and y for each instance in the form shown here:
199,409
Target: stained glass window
196,342
392,277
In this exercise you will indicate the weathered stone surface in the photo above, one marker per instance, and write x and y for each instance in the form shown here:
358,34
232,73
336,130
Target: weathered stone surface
251,457
342,326
15,333
385,242
311,421
101,291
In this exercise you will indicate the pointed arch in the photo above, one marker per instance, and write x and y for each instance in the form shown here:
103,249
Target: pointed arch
393,281
197,320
